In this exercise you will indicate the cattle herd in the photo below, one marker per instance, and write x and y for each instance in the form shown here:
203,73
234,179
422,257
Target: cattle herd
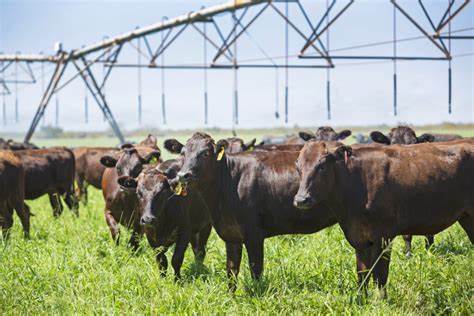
395,184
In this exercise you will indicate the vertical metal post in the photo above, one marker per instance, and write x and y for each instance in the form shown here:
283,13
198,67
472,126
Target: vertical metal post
277,94
4,104
139,81
163,97
16,90
56,114
286,59
43,119
395,110
450,78
86,105
104,74
328,72
4,110
204,25
236,78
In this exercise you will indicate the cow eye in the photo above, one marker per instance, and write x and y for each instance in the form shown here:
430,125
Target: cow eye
206,153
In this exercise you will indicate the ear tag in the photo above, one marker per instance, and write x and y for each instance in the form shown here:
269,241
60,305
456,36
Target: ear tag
178,189
346,157
221,154
251,148
153,160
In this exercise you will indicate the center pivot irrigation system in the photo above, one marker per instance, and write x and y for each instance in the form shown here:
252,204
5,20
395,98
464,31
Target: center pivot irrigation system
243,14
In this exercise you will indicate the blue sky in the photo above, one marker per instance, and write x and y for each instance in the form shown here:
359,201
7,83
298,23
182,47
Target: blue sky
361,94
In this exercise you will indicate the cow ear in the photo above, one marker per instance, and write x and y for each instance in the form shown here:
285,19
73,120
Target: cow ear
173,146
344,134
221,146
306,136
108,161
425,138
126,146
127,182
149,141
378,137
250,145
342,152
152,157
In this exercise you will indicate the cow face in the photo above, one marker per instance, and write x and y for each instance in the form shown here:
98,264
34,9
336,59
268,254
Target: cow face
200,158
325,133
403,135
131,160
153,191
237,145
315,167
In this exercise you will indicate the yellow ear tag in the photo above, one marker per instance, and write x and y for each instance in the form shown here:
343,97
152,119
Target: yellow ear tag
178,189
221,154
153,160
251,148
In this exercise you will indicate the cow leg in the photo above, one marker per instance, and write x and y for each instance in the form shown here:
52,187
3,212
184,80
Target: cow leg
254,248
137,233
199,243
113,226
6,220
467,223
178,255
234,257
162,261
407,239
56,204
81,190
381,263
23,212
363,261
429,241
72,202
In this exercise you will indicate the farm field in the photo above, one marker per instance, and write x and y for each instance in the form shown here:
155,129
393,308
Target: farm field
70,265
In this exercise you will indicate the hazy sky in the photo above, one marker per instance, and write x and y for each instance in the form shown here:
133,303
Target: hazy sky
361,93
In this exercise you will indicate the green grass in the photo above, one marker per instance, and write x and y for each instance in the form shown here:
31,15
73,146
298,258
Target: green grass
70,265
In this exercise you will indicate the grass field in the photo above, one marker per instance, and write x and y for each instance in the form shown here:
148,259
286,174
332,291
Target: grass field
70,265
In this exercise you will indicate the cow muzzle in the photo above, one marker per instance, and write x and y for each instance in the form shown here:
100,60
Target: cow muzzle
303,202
147,220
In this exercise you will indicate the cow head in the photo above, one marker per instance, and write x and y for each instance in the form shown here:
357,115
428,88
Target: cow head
149,141
201,155
325,133
315,165
131,160
237,145
400,135
153,191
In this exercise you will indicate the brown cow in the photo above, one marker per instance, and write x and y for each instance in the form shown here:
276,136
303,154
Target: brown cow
50,171
12,145
121,203
404,135
378,193
168,218
12,193
89,170
325,133
249,196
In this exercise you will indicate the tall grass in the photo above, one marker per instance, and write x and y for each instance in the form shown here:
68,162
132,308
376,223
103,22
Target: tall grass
70,265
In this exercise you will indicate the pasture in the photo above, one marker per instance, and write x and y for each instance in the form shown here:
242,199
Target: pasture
70,265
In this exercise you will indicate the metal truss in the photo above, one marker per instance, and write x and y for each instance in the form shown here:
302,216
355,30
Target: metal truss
244,13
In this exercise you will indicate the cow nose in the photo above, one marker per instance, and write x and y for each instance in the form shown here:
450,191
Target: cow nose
302,201
184,176
147,220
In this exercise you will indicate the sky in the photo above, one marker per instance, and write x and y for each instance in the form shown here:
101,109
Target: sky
361,91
